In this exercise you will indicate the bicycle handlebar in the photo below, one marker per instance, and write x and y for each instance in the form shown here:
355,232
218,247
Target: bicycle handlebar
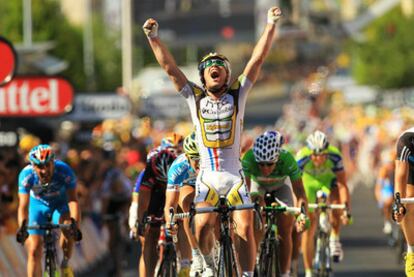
408,200
329,206
49,226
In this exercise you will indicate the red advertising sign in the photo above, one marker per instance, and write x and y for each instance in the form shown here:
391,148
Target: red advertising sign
36,96
8,62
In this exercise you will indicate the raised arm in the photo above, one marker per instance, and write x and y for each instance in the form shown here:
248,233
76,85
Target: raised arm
163,55
262,48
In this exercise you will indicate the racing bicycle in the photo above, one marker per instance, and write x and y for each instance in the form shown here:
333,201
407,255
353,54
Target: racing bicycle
322,264
269,260
227,265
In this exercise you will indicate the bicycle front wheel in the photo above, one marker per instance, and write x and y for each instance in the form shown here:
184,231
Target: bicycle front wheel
227,265
269,259
50,264
322,265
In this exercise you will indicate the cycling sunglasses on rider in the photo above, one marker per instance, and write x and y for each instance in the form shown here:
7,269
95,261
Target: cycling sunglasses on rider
264,164
213,62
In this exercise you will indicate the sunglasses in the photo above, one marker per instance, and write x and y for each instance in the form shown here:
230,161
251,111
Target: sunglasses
214,62
266,164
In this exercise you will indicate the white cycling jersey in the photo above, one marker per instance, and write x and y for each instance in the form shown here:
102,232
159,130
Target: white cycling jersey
218,124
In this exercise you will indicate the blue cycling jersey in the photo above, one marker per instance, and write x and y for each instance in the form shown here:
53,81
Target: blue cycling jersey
53,193
181,173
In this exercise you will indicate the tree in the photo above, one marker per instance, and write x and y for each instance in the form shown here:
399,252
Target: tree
49,24
386,58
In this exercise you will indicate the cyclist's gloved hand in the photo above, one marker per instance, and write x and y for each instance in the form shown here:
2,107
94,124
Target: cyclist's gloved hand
398,212
347,218
76,232
273,15
22,233
302,222
150,28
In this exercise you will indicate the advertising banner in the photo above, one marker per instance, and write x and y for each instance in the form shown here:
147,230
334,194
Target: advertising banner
35,97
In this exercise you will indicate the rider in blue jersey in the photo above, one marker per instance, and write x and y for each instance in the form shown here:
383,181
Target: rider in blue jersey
180,189
47,189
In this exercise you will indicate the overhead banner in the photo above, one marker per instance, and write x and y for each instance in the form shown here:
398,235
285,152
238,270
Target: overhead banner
8,61
36,96
96,107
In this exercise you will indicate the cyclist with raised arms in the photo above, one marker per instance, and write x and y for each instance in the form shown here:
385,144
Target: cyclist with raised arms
47,188
217,111
269,168
404,184
148,198
322,169
180,189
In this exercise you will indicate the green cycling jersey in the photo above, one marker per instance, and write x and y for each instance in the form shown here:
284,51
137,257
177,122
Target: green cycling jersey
285,167
322,177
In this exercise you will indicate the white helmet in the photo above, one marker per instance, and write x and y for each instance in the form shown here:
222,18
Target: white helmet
267,146
317,142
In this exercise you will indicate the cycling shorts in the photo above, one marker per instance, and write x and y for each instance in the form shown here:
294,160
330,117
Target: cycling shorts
282,192
211,184
38,214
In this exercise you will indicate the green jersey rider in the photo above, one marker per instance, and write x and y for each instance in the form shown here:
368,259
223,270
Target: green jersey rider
269,168
323,169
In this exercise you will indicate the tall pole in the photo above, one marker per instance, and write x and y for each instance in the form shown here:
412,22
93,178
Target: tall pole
88,53
27,22
126,46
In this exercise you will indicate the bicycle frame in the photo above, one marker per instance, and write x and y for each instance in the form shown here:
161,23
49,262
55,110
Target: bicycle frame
167,263
227,264
269,263
49,245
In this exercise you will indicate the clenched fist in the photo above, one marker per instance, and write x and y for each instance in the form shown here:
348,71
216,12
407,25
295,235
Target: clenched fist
273,15
150,28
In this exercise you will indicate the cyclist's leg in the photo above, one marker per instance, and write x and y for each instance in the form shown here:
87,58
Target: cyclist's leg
185,200
206,195
408,229
149,255
243,219
308,242
34,243
285,226
66,240
334,240
256,194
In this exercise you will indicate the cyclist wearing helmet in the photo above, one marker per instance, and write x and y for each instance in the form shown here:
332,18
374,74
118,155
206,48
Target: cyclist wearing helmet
269,168
148,198
47,187
217,111
404,184
322,169
180,189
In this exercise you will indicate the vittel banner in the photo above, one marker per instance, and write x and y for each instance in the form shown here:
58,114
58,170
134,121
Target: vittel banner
36,96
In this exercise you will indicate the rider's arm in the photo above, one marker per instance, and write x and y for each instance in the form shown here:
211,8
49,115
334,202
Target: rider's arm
401,177
299,191
164,57
343,188
73,204
23,209
262,48
171,200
